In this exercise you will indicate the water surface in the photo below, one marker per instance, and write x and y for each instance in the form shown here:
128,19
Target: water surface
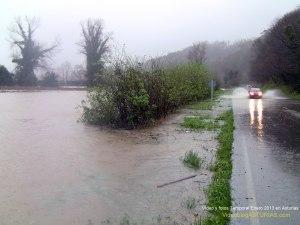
56,170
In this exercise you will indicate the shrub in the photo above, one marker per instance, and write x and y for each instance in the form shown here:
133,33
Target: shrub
6,78
187,83
132,95
100,108
49,80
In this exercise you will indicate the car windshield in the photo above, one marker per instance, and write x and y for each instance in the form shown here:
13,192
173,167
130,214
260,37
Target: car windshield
255,89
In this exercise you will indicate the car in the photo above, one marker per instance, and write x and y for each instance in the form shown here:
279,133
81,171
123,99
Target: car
255,93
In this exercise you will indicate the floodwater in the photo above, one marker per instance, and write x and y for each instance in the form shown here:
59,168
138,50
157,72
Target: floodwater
56,170
266,158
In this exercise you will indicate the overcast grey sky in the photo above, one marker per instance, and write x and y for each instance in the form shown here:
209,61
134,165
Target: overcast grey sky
146,27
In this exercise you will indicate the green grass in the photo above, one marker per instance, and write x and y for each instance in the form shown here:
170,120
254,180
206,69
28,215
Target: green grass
192,160
203,105
199,123
208,103
219,191
219,92
290,92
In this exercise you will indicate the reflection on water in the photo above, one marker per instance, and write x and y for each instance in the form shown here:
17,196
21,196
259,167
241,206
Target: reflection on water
256,115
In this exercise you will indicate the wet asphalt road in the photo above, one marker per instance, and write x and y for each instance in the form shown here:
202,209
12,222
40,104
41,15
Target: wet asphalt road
266,159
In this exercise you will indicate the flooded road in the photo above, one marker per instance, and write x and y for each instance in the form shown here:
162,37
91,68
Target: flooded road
266,158
55,170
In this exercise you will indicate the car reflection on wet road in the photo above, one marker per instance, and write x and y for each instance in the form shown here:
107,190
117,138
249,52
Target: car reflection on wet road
266,159
256,115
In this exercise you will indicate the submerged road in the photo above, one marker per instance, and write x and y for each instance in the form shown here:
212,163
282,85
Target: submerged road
266,160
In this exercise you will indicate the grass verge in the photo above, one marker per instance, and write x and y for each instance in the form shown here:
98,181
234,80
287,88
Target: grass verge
203,105
200,122
288,91
219,191
192,160
208,103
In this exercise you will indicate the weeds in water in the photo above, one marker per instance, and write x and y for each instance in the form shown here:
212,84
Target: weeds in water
190,203
200,123
192,160
106,222
126,220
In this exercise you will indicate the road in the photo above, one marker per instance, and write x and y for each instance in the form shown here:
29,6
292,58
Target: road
266,160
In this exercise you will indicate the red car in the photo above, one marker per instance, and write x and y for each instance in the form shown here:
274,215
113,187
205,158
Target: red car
255,93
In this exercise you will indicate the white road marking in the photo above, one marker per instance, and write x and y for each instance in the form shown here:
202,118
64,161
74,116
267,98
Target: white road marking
249,181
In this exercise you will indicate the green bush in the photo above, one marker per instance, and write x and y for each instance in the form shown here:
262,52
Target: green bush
133,96
100,108
6,78
187,83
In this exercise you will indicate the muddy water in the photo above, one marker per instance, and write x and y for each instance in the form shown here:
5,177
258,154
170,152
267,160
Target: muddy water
55,170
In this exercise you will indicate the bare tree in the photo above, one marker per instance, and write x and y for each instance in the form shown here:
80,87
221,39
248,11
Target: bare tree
197,53
66,70
29,53
95,46
79,72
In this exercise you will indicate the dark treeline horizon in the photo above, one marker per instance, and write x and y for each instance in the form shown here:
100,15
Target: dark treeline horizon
273,57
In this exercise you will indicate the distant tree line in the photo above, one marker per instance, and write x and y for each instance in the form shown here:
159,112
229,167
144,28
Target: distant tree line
229,62
277,53
273,57
29,56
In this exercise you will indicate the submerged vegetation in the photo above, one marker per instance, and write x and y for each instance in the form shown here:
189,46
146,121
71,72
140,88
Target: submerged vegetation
192,160
190,203
132,95
199,123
